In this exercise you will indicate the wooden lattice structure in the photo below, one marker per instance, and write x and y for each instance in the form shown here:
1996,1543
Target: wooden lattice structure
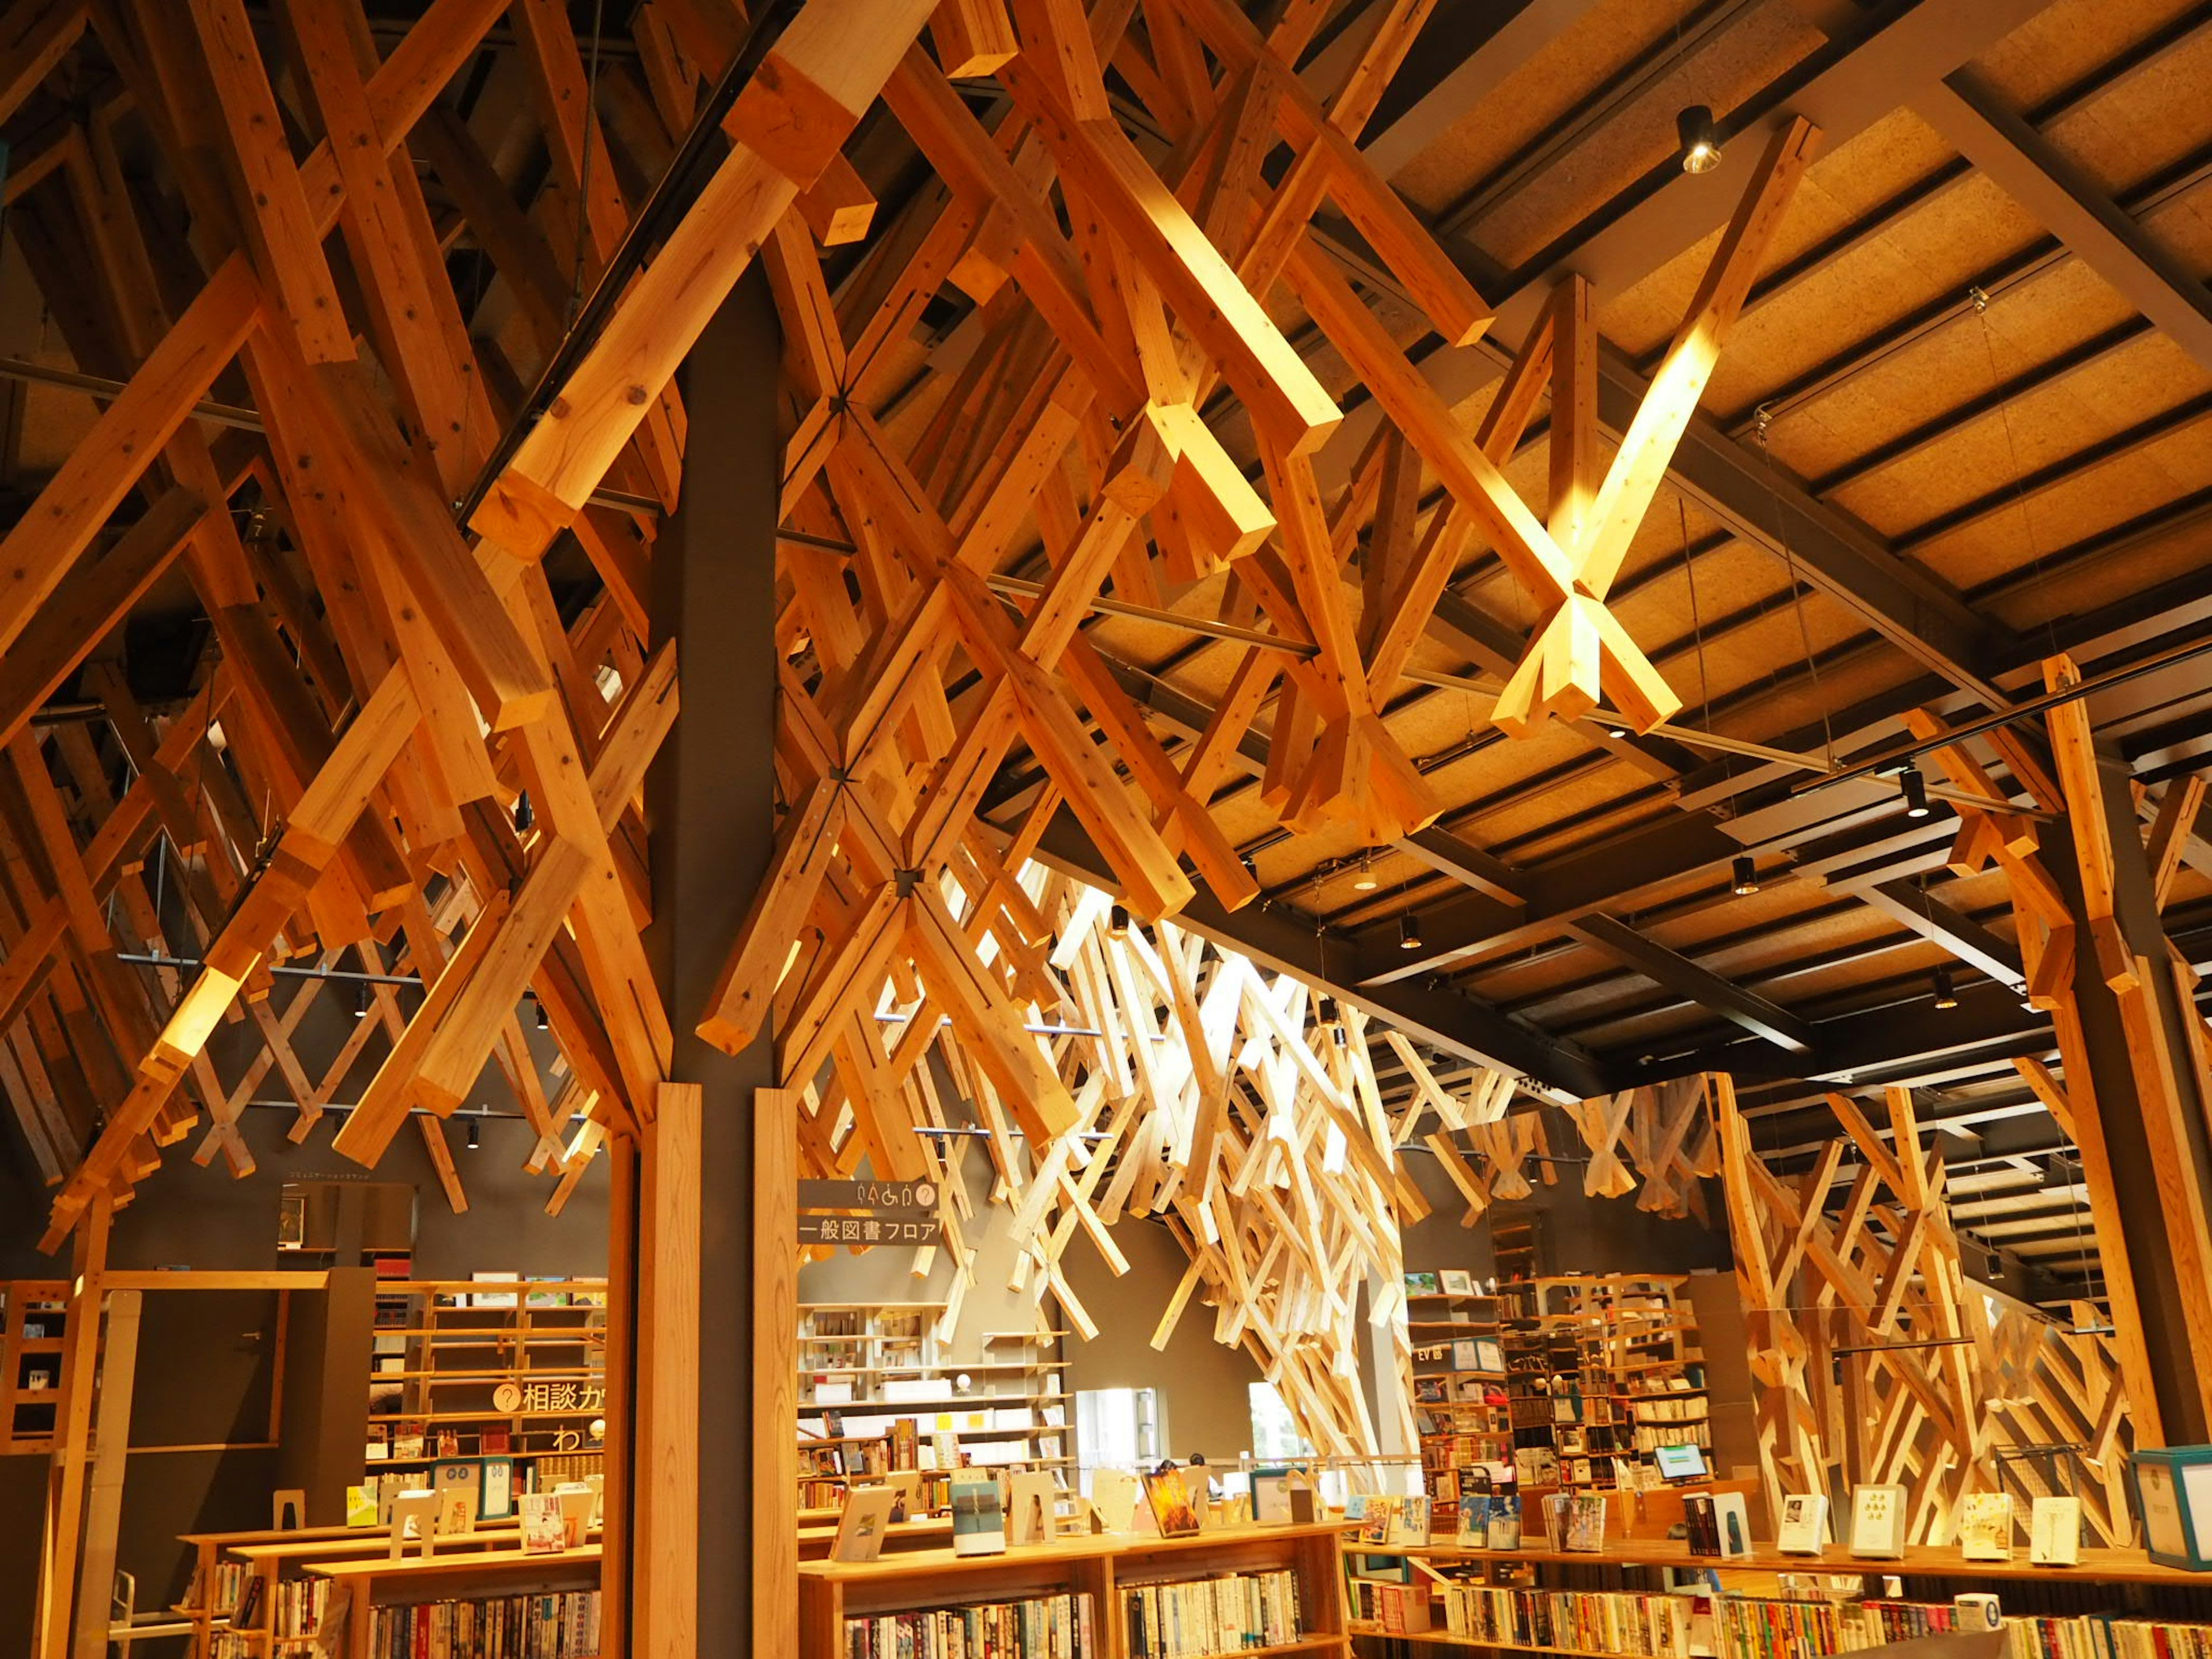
1877,1360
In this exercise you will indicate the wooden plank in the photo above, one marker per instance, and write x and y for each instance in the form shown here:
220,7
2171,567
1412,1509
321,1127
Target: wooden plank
670,1320
775,1369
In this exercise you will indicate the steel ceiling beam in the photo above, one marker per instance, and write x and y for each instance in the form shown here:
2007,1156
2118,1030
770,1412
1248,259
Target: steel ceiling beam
2062,197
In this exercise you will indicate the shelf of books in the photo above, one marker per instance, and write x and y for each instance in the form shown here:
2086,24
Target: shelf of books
33,1313
491,1604
1571,1382
252,1593
1245,1590
1762,1604
876,1398
496,1383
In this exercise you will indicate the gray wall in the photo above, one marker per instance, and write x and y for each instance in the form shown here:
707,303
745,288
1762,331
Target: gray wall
205,1357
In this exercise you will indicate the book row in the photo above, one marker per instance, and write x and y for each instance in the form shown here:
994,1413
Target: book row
1594,1621
563,1624
1212,1615
2105,1636
1042,1627
1751,1628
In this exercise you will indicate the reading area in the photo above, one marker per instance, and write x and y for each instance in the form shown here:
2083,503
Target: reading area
1105,828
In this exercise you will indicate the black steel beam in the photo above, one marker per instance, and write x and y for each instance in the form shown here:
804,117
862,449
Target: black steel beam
1675,972
1284,943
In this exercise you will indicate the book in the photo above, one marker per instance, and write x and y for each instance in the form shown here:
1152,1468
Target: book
1271,1496
1376,1519
543,1531
1878,1522
1700,1525
457,1486
862,1527
1804,1526
1170,1502
1503,1530
2054,1532
1985,1527
407,1438
1466,1355
360,1506
1732,1513
979,1518
1410,1525
1585,1522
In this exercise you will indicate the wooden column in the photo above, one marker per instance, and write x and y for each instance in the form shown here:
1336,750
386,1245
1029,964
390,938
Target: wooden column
65,1483
2141,1038
711,800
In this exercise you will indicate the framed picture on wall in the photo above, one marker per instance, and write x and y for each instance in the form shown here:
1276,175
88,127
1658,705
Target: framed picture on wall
1456,1281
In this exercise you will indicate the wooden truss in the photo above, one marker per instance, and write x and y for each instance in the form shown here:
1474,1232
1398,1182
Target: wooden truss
1877,1361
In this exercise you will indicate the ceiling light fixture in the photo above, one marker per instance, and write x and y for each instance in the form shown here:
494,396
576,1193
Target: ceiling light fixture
1946,996
1409,932
1364,882
1746,876
543,1024
1916,791
523,817
475,1137
1701,145
361,1001
1117,921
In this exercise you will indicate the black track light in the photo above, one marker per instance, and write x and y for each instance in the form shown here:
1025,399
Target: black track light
1701,145
1409,932
476,1136
1944,996
1916,791
1364,882
1325,1011
523,817
543,1024
1746,876
361,999
1117,921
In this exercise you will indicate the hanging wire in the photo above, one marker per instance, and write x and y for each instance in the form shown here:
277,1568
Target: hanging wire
1764,419
1697,623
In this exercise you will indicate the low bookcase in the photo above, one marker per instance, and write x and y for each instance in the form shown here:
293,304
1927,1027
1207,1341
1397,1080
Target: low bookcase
367,1598
1613,1605
1105,1569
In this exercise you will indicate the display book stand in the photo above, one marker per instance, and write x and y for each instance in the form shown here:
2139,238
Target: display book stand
1415,1604
878,1349
445,1349
1105,1567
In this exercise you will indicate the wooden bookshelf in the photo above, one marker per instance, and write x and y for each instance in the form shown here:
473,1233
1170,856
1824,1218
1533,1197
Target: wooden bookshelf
359,1587
33,1317
2109,1566
829,1592
868,1347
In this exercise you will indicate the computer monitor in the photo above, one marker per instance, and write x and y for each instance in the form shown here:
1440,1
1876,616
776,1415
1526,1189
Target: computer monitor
1680,1463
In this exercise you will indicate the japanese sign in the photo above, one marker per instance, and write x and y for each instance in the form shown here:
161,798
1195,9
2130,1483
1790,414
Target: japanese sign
865,1213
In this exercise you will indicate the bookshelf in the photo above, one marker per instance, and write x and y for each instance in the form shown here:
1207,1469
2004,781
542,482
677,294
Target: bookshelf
33,1313
876,1395
1772,1606
1593,1373
375,1603
487,1371
1104,1568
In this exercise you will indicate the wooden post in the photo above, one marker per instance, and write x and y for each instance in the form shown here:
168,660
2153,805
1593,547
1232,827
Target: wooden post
776,1369
711,801
65,1481
118,1368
